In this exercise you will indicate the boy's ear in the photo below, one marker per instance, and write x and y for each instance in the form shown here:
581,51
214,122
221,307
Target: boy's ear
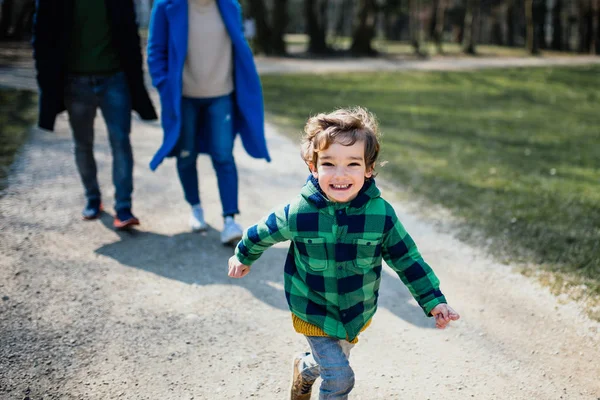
313,170
369,171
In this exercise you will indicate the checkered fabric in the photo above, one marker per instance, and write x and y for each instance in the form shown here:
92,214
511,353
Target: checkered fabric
333,266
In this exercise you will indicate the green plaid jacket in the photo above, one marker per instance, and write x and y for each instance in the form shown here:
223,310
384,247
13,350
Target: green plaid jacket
333,266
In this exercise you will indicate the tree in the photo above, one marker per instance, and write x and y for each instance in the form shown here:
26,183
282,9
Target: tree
557,28
439,13
280,21
258,12
531,39
364,30
414,25
269,38
470,27
316,26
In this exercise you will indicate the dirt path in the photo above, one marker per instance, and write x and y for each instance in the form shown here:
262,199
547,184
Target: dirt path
89,313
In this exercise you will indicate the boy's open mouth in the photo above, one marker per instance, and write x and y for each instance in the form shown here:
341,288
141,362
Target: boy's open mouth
340,187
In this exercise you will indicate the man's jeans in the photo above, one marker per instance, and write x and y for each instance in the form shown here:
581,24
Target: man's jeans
83,95
329,359
212,119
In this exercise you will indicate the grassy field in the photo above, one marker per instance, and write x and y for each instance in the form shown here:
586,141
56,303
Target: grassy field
17,114
513,153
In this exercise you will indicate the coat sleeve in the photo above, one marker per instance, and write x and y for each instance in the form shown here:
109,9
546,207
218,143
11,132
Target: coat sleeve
43,42
158,45
258,238
400,252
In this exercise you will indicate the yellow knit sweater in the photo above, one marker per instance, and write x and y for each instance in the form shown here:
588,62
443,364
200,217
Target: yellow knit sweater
308,329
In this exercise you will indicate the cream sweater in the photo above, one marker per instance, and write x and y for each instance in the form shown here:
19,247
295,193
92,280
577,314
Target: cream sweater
208,68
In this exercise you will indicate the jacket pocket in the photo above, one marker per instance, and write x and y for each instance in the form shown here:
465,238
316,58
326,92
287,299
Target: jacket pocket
368,252
312,252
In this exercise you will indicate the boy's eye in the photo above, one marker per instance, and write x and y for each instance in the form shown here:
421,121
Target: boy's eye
354,164
327,164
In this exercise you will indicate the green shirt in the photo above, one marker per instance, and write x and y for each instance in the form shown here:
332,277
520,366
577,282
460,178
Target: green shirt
333,268
91,50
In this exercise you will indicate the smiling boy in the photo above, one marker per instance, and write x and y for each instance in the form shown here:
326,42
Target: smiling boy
340,231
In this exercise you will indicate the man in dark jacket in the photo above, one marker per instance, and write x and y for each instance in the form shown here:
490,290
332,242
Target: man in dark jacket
88,55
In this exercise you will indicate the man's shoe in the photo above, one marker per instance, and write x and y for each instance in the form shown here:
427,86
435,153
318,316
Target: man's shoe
232,232
197,222
301,388
125,219
92,210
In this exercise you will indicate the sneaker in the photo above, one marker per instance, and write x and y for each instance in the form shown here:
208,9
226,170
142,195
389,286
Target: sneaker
92,210
197,222
301,388
125,219
232,232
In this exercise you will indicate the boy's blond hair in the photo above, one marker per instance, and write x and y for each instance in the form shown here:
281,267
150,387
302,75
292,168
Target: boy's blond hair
344,126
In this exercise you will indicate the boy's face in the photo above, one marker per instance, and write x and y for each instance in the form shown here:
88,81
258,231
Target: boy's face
341,171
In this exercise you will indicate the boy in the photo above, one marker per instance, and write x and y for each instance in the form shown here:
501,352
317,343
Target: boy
340,230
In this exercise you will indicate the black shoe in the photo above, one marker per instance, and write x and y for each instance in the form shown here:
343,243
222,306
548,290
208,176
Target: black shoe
92,210
125,219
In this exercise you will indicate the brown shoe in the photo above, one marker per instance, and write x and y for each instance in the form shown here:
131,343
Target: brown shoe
301,388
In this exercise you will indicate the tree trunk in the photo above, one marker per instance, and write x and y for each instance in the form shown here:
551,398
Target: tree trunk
531,39
414,25
539,22
316,26
510,23
595,36
364,30
584,25
470,27
557,29
5,18
280,21
258,11
438,32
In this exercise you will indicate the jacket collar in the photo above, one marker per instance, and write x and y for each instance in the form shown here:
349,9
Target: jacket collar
313,194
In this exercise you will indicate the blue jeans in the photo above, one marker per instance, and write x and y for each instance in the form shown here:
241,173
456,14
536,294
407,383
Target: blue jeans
329,359
83,95
211,119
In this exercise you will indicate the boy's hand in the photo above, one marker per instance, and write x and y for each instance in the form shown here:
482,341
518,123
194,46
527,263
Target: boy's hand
237,269
443,314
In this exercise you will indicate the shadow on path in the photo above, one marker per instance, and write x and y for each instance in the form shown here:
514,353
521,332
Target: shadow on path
194,258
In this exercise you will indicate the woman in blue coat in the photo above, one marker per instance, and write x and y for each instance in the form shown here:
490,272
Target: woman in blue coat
210,91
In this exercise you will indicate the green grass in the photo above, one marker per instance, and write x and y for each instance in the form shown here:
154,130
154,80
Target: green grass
17,114
514,153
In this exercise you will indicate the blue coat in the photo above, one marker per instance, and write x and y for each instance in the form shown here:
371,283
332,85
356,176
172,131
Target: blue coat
167,49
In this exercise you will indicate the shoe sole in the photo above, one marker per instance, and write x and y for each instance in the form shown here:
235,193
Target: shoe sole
232,241
125,224
95,216
201,229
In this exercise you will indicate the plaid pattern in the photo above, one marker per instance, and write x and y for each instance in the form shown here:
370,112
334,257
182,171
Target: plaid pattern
333,266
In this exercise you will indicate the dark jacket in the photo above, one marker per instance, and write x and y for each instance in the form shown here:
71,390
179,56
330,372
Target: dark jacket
51,38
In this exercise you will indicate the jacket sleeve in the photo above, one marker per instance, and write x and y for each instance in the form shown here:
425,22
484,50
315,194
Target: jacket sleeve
158,45
258,238
400,252
131,32
43,42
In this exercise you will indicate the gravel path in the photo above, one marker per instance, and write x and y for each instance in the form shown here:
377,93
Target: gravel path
90,313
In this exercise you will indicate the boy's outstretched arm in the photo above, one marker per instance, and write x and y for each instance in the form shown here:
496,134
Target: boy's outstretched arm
401,254
258,238
443,314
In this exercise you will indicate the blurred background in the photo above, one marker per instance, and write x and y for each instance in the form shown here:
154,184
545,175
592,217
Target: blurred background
367,27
